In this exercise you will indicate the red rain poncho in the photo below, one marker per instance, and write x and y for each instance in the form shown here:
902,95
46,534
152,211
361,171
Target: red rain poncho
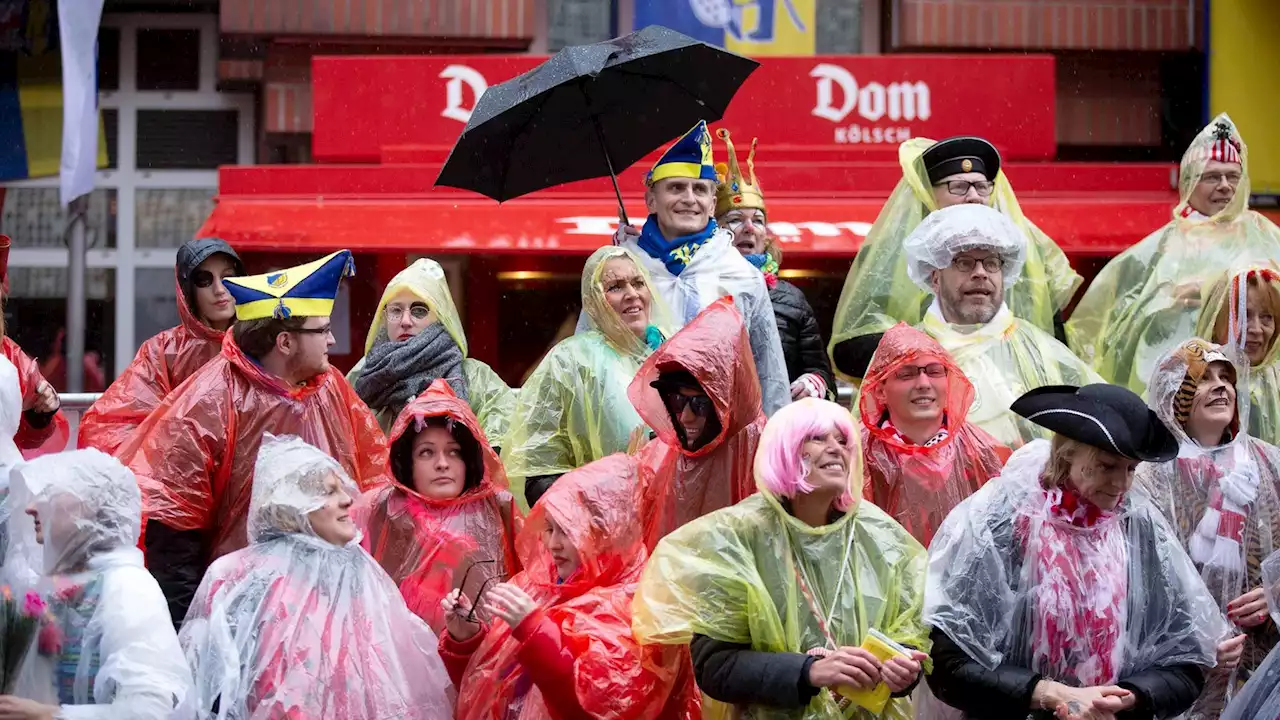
33,441
194,455
679,485
427,545
162,363
613,677
915,484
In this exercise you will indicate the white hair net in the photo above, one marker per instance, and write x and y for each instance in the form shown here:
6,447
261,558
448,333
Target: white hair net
288,484
953,230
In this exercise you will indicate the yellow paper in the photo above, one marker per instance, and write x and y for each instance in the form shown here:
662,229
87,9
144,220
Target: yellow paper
876,698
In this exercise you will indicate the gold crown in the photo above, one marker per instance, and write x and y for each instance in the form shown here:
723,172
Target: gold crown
734,192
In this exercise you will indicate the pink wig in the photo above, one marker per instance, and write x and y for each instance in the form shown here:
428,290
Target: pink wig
779,467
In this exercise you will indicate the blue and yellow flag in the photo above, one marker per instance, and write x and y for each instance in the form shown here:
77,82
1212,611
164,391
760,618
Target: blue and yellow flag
303,291
31,92
748,27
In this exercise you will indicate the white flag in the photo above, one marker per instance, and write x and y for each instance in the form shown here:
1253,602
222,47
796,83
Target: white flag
78,36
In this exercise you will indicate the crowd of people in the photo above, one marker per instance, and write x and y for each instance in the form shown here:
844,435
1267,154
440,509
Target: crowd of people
1027,513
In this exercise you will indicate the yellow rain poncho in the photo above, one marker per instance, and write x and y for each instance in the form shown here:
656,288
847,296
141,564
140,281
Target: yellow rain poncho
489,397
733,576
574,408
1146,300
1216,324
878,294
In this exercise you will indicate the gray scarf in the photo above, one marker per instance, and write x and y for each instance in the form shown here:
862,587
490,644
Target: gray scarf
397,372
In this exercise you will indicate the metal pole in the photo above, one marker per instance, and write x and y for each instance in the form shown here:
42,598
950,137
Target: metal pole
75,333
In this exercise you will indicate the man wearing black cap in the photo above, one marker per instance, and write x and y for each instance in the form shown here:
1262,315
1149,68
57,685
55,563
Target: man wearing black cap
877,293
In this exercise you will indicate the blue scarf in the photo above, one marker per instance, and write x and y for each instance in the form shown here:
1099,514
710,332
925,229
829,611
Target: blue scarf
677,253
758,260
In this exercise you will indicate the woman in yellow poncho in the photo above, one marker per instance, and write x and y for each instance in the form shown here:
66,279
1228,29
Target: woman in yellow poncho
416,338
878,294
574,408
1241,311
1147,299
790,583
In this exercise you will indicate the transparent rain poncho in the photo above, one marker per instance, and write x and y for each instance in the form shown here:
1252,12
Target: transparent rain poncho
1260,697
294,626
919,484
489,396
878,292
1013,581
34,441
733,576
427,545
114,660
1207,490
1006,357
574,407
614,677
679,485
1223,319
1146,300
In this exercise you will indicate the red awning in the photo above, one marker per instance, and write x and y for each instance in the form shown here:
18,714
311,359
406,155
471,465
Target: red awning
1084,224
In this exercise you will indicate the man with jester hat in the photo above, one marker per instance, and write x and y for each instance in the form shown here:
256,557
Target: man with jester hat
740,209
194,455
1148,298
693,261
936,175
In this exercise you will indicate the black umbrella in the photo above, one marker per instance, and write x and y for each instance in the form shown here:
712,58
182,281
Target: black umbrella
590,111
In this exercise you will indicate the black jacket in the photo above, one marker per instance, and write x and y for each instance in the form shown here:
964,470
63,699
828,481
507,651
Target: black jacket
802,344
177,560
1005,693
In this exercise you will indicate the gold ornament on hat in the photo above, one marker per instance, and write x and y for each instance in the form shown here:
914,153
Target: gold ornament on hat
734,191
966,165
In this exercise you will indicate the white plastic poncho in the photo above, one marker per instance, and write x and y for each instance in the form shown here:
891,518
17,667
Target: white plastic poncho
1007,356
296,627
119,656
716,270
1224,504
10,455
1011,581
1260,697
1147,298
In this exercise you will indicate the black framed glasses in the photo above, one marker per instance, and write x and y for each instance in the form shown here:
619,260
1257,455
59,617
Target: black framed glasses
910,372
991,264
327,329
960,188
484,587
677,402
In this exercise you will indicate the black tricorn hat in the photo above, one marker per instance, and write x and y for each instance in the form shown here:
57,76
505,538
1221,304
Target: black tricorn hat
960,155
1108,417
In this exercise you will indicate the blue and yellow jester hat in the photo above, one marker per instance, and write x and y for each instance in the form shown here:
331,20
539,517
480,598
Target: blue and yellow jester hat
689,157
303,291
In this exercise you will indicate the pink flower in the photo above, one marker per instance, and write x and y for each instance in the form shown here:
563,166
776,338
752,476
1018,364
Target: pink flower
33,605
49,642
66,592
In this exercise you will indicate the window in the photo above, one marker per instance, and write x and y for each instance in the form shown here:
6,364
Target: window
36,313
168,59
168,218
187,139
34,218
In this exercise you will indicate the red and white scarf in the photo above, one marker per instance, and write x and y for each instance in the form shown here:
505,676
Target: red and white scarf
1219,537
1080,586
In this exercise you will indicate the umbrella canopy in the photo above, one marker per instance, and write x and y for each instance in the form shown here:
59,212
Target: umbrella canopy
590,111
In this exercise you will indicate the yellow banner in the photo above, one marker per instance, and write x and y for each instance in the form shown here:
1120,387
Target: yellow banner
1243,55
772,27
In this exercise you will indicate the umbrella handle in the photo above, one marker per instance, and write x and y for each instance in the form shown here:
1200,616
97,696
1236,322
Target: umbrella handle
622,210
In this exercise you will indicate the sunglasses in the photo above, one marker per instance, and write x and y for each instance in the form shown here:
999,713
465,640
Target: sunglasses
202,278
676,403
484,587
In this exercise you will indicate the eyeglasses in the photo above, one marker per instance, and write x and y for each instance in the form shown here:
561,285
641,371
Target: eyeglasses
417,311
326,330
1233,179
676,403
991,263
933,370
961,187
202,278
484,587
736,223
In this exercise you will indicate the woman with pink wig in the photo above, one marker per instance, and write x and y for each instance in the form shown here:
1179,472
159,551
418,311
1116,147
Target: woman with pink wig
781,596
